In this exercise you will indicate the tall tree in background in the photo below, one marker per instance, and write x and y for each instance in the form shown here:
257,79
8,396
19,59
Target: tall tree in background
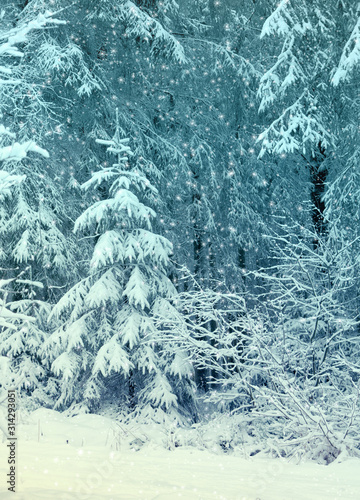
311,90
24,310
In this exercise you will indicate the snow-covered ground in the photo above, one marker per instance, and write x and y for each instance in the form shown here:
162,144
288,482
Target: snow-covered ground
90,457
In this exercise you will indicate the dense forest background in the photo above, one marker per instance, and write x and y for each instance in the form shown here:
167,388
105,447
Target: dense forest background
179,212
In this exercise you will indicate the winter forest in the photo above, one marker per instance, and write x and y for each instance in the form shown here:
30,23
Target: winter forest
180,216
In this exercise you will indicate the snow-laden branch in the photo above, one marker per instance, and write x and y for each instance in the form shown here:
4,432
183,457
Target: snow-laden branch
17,151
9,42
350,56
7,180
20,34
139,23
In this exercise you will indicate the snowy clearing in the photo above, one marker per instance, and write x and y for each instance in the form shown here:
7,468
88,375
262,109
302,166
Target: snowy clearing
85,457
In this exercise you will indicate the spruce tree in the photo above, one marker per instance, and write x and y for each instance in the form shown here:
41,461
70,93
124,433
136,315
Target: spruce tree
107,347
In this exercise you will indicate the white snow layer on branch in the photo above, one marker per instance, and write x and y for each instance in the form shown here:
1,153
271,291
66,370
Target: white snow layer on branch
124,201
116,147
282,135
108,249
112,358
37,284
98,177
160,392
278,21
6,131
105,142
5,282
10,315
137,291
139,23
20,34
283,21
17,151
69,59
65,365
350,56
7,180
106,290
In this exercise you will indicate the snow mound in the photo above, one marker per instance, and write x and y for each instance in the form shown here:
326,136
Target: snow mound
73,458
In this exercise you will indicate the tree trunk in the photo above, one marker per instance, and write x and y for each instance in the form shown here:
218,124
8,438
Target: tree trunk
318,176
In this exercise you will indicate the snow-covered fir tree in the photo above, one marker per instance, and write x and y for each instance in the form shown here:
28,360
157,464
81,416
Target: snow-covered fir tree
107,348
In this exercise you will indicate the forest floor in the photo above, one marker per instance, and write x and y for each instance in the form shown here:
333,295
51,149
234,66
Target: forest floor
89,457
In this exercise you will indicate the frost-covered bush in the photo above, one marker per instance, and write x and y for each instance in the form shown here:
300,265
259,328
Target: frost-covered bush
289,364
